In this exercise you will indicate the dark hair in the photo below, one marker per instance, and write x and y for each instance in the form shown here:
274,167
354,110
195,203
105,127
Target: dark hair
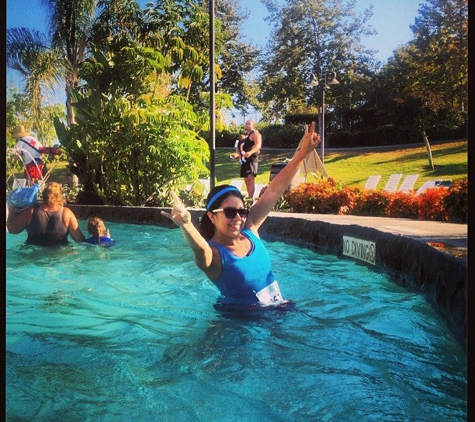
213,201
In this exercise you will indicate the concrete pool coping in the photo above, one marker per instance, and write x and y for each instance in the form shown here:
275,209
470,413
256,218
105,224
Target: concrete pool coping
402,247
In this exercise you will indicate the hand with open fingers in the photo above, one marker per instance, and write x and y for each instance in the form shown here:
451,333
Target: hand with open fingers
179,214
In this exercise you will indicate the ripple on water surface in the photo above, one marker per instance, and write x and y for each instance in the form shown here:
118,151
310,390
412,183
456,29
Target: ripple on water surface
130,333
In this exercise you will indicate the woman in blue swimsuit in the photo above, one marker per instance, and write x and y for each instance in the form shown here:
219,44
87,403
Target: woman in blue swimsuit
227,247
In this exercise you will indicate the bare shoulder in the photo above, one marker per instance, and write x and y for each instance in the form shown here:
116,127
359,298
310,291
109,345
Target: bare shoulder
68,214
255,135
67,211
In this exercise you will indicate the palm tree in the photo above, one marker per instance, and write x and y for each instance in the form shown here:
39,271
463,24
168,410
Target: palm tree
28,53
70,21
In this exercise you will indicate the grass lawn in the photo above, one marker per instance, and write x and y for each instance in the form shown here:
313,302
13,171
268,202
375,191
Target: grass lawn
349,167
352,168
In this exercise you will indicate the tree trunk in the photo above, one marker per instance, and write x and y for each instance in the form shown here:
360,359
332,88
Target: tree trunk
429,152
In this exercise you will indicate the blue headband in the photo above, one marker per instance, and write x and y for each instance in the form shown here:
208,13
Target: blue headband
221,193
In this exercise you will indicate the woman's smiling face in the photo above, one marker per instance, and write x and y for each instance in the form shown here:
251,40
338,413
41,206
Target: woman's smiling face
229,226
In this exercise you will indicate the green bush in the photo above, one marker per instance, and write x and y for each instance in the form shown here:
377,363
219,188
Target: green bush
281,136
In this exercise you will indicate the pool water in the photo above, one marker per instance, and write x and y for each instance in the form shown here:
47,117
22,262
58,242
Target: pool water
129,333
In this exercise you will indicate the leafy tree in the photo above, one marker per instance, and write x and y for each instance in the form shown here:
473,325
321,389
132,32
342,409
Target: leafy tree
425,82
441,39
134,140
237,59
311,37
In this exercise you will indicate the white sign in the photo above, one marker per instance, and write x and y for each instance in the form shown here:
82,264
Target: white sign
359,249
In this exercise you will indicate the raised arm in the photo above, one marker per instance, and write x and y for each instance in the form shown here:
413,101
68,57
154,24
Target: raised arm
261,209
203,254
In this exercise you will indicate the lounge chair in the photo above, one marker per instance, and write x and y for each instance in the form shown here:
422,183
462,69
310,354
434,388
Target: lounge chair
434,184
408,183
391,185
372,182
427,185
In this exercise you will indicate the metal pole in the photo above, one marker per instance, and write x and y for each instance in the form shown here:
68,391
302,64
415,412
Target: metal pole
322,125
212,103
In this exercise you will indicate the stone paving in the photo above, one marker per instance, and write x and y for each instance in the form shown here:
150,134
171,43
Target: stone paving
448,237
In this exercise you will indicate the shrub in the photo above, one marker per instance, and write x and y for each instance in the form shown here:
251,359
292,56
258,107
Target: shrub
325,197
455,202
431,204
281,136
372,202
403,205
320,198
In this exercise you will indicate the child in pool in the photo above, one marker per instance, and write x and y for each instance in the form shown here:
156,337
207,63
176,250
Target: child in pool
100,234
227,247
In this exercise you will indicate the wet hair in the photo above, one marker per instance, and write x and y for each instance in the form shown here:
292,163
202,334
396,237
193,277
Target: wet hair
214,200
96,226
53,195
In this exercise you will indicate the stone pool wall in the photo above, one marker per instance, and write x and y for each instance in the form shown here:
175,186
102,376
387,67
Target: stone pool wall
441,277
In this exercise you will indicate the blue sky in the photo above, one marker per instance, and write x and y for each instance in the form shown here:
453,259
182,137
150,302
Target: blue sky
391,19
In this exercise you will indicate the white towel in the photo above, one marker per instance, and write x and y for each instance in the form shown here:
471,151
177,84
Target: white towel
312,164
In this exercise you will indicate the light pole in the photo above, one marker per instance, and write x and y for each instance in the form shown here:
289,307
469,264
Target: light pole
212,101
326,78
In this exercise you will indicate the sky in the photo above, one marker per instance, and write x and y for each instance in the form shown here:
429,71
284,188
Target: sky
391,19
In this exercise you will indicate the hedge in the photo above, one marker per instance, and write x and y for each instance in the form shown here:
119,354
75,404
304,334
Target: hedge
325,197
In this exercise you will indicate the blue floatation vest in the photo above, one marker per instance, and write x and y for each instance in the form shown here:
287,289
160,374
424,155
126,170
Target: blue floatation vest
247,279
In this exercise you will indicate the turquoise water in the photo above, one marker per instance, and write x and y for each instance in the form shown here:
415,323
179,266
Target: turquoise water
129,333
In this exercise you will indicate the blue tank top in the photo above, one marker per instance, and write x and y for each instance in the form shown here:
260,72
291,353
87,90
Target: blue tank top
242,278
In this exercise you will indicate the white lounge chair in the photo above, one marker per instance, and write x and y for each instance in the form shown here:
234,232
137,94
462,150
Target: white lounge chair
372,182
391,185
427,185
408,183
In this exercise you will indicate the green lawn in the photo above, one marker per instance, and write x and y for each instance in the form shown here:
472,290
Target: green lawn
349,167
352,168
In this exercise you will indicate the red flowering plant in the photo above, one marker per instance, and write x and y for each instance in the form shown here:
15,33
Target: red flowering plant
403,205
455,202
431,204
372,202
323,197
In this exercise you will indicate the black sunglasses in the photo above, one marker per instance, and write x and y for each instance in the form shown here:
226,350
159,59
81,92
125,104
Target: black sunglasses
231,212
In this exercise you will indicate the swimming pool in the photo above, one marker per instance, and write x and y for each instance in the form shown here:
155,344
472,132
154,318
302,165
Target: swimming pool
130,333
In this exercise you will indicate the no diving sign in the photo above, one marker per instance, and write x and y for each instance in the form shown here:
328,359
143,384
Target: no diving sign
359,249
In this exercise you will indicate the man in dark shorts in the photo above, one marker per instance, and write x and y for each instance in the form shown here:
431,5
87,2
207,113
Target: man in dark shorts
251,147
